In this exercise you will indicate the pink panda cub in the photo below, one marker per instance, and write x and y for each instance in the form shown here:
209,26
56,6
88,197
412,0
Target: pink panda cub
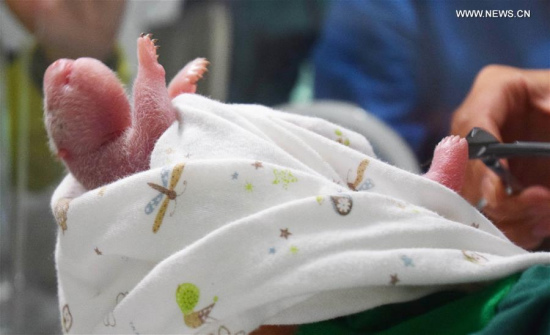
101,137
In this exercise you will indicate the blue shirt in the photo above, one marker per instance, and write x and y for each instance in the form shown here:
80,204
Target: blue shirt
411,63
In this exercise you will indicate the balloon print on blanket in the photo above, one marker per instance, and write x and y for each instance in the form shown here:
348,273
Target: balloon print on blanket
342,203
167,192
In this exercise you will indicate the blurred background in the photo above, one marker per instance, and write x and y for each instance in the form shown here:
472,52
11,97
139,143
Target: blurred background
409,63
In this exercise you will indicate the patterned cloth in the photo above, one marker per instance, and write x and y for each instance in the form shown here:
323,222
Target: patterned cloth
248,217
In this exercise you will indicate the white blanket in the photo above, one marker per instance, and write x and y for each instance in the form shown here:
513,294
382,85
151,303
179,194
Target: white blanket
250,216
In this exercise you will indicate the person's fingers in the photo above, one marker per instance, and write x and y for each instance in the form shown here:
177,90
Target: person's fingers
512,104
505,101
523,218
538,85
476,172
471,190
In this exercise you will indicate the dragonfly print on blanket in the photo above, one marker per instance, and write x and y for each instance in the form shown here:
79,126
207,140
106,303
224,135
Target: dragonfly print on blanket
167,192
358,184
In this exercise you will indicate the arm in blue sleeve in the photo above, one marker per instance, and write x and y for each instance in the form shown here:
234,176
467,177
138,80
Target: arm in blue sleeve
367,55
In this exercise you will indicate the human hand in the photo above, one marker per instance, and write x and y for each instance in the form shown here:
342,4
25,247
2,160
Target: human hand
69,28
512,104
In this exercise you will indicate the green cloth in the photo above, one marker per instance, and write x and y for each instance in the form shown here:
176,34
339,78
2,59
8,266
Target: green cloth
526,308
448,312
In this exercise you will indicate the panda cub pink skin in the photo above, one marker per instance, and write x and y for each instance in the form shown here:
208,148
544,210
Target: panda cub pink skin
99,136
449,162
91,124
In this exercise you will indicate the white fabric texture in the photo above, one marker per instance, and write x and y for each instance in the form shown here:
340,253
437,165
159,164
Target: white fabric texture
250,216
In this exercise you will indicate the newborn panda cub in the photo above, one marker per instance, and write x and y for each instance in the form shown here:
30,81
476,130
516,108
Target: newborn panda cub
101,137
93,127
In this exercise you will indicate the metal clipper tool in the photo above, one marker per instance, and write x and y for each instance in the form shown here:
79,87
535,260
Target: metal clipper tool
483,145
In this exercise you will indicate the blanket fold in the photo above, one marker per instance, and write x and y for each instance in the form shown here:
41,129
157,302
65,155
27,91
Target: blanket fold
250,216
